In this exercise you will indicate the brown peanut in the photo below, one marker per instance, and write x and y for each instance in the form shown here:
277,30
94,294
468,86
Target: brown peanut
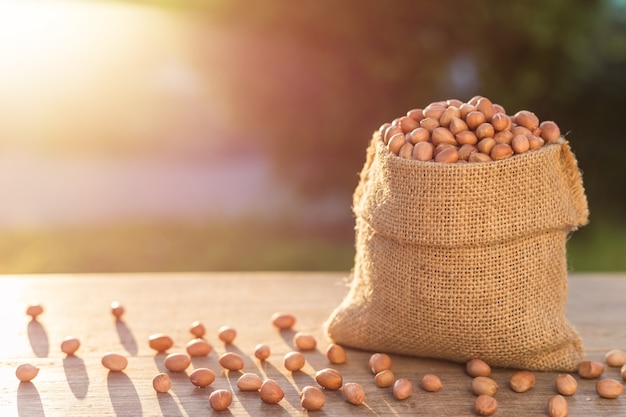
70,345
197,329
622,372
402,389
114,361
329,378
379,362
590,369
486,145
117,309
202,377
520,144
522,381
431,383
396,142
262,351
406,151
34,310
451,112
270,392
501,151
227,334
566,384
550,131
500,122
485,130
429,123
477,367
177,362
485,405
162,382
220,399
231,361
442,135
336,354
609,388
294,361
557,406
198,347
418,135
526,119
249,382
407,124
458,125
447,155
615,358
485,106
26,372
312,398
385,378
160,342
423,151
304,341
354,393
484,385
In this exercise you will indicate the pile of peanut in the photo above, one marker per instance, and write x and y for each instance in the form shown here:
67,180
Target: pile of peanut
475,131
313,397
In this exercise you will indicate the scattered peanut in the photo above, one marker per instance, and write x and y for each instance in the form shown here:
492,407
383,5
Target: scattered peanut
160,342
615,358
162,383
385,378
477,367
304,341
26,372
231,361
622,372
220,399
283,321
483,385
379,362
590,369
197,329
431,383
609,388
354,393
294,361
34,310
312,398
261,351
402,389
336,354
557,406
329,378
522,381
177,362
249,382
117,309
114,361
270,392
485,405
227,334
198,347
70,345
202,377
566,384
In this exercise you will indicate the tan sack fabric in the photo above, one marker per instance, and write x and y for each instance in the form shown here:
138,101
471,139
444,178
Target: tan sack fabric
461,261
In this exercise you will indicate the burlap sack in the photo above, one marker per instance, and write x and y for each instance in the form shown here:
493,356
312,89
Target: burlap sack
461,261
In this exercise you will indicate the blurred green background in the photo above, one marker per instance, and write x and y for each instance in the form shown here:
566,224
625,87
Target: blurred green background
228,135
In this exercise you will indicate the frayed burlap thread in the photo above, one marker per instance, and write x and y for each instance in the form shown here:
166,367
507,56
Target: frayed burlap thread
462,261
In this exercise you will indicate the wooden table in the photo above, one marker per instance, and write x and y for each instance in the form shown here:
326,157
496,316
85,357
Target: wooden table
79,305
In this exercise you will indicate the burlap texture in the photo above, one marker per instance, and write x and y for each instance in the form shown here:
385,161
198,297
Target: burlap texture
462,261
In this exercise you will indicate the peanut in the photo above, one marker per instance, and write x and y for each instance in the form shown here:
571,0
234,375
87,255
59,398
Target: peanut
609,388
622,372
407,124
485,405
431,383
114,361
557,406
312,398
442,135
262,351
354,393
294,361
418,135
477,367
550,131
70,345
177,362
520,144
270,392
227,334
402,389
451,112
162,383
406,151
379,362
500,151
336,354
535,142
503,136
198,347
500,122
465,109
197,329
479,157
522,381
26,372
117,309
329,378
449,155
457,125
202,377
231,361
485,106
434,110
475,119
220,399
396,142
423,151
34,310
385,378
429,123
249,382
466,137
160,342
304,341
483,385
486,145
566,384
466,150
590,369
527,119
485,130
417,114
615,358
283,321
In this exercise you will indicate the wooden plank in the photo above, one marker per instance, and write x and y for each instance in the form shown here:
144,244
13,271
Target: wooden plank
79,305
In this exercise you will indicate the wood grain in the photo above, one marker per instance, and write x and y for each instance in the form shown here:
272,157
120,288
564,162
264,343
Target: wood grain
79,305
